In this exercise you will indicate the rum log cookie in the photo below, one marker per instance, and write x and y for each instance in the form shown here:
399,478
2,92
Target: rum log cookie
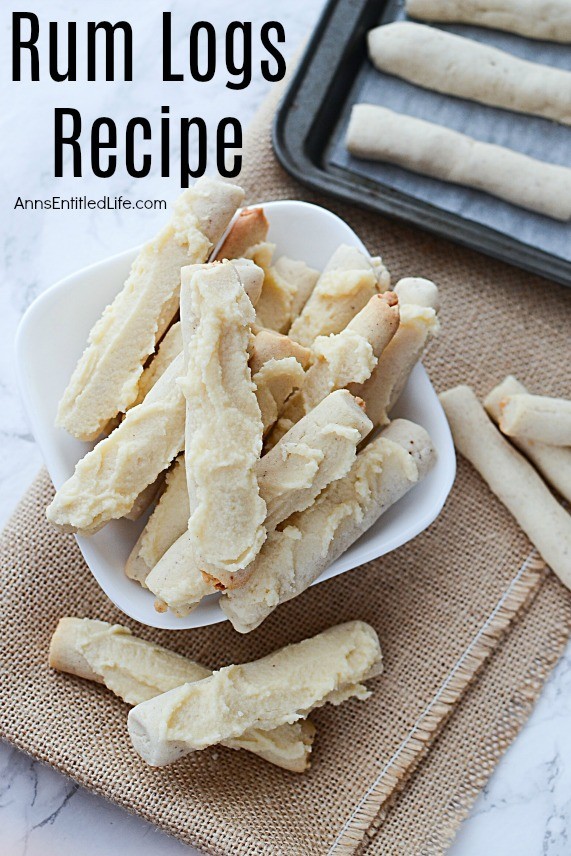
348,282
553,462
105,380
342,359
302,276
105,484
549,20
279,689
418,323
223,438
169,348
536,417
250,227
513,480
376,133
454,65
167,523
137,671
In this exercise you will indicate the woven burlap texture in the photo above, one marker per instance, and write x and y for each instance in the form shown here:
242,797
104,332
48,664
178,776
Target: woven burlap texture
441,605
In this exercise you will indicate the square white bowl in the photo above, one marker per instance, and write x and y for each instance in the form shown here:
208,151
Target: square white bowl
52,336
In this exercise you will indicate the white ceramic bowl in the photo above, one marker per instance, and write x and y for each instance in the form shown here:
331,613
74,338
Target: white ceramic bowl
52,335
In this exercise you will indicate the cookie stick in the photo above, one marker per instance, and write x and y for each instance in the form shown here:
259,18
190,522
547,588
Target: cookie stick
274,383
169,348
418,323
137,670
318,450
292,559
348,282
536,19
377,133
343,358
537,417
171,343
146,498
278,689
553,462
275,307
454,65
351,355
269,345
284,372
105,483
168,521
223,437
106,377
250,227
278,367
513,480
348,257
302,276
287,287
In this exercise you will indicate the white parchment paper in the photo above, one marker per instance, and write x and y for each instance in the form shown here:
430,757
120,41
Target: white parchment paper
539,138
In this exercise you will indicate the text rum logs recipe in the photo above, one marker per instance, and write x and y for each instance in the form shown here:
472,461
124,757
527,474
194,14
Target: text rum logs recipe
108,52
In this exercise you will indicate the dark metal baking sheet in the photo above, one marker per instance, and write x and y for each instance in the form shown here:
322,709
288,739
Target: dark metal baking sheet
335,73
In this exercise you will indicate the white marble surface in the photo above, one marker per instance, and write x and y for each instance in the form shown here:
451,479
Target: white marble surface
526,808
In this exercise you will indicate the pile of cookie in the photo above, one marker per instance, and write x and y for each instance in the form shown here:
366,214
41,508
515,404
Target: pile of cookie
240,396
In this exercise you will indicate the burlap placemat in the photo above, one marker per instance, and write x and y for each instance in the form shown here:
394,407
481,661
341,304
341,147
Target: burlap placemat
442,605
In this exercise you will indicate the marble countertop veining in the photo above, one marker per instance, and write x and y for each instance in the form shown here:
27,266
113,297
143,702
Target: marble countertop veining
525,809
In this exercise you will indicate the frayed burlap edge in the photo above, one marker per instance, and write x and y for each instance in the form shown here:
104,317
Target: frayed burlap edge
507,728
381,796
479,744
